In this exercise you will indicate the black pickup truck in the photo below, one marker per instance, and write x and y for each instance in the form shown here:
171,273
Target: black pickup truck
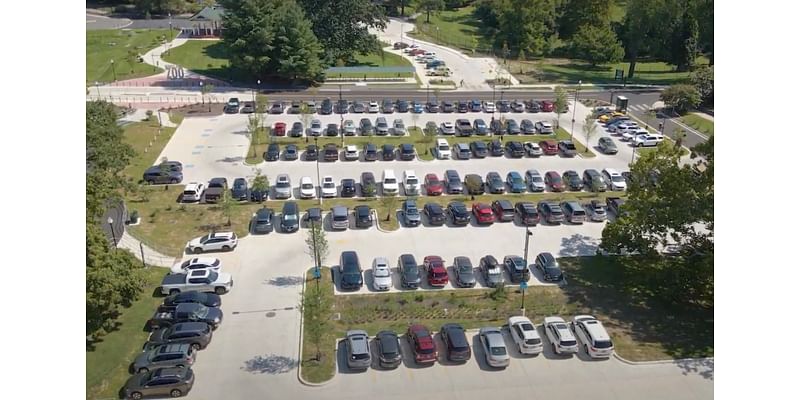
216,188
166,316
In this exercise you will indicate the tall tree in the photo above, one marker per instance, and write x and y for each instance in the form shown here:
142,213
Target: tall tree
430,6
107,155
589,130
248,34
297,50
579,13
560,104
703,80
525,24
342,26
317,243
681,97
597,45
705,17
642,28
685,32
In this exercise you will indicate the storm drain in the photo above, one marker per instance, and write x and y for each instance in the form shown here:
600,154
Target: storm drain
271,314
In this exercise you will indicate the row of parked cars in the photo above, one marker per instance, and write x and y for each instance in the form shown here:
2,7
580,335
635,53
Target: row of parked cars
622,126
565,339
181,326
390,106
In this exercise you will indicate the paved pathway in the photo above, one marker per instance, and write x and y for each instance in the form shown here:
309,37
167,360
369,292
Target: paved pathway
151,257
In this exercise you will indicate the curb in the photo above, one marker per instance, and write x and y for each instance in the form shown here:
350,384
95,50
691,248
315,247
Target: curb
659,362
300,351
378,223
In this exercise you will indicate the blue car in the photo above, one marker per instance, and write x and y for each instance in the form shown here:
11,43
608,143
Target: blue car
475,106
515,182
418,107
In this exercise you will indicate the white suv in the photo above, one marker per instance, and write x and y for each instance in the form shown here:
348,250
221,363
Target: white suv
488,107
630,134
213,241
350,152
390,185
307,190
328,187
525,335
193,192
648,140
560,336
410,183
614,179
443,149
192,264
595,339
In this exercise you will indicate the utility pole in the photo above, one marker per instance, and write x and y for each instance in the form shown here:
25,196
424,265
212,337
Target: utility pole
113,70
575,107
314,233
341,116
528,235
319,184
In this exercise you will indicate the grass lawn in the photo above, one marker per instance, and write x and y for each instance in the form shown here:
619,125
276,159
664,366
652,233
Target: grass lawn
206,57
641,326
122,46
322,370
561,70
456,28
108,361
375,60
699,124
139,135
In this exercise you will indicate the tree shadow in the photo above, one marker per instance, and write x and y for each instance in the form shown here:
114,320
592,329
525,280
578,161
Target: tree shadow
270,364
286,281
578,245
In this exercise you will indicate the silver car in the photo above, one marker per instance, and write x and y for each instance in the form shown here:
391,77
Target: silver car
399,128
381,126
494,346
283,187
381,274
534,180
166,355
357,349
316,128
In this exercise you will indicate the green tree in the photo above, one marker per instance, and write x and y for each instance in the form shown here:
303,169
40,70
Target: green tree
560,104
107,155
342,26
703,80
576,14
597,45
318,250
297,50
226,205
430,6
589,129
525,24
253,125
316,306
260,182
685,34
644,29
390,204
681,97
204,91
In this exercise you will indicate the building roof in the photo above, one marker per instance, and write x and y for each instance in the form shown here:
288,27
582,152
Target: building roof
209,13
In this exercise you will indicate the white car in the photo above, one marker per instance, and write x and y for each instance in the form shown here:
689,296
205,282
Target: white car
595,339
560,336
193,192
373,107
443,149
390,185
224,241
533,149
350,152
543,127
614,179
628,135
192,264
525,335
447,128
648,140
534,180
488,107
328,186
307,190
349,128
623,126
316,128
381,274
399,128
410,183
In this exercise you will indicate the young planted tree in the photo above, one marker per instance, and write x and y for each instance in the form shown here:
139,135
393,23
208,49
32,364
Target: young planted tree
260,182
390,204
253,124
589,129
226,205
204,91
560,104
316,306
317,243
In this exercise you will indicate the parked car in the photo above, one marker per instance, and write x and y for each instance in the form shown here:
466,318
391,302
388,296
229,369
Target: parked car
402,106
283,187
567,148
332,130
316,127
594,181
525,335
290,153
462,106
297,129
504,106
607,145
494,347
312,153
494,183
515,182
560,336
503,210
527,127
596,341
277,108
527,213
232,106
448,106
313,216
573,212
462,151
480,127
342,106
216,241
197,334
365,127
348,187
369,186
290,217
417,107
363,216
157,174
185,312
399,128
370,152
161,382
492,273
388,346
356,344
390,185
442,149
373,107
194,296
433,186
548,266
532,149
273,152
453,182
350,271
192,192
436,271
596,210
215,190
614,179
483,213
410,213
340,218
447,128
432,106
455,342
387,152
515,149
330,152
279,129
307,189
435,214
463,127
409,271
516,268
349,127
459,213
554,181
388,106
572,180
512,127
648,140
615,204
474,184
547,106
550,212
464,271
262,220
326,107
488,107
359,107
533,106
544,127
517,106
479,149
534,180
350,153
421,341
407,152
549,147
496,127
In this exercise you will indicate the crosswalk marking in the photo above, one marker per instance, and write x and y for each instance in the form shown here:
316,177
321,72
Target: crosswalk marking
639,107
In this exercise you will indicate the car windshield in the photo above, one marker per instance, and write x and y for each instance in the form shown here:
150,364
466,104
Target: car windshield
289,217
201,312
382,272
328,185
495,271
516,179
390,181
204,238
617,178
283,184
465,268
308,186
603,344
362,356
413,181
498,351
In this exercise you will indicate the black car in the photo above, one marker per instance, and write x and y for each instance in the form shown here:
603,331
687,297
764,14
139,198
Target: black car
410,277
515,149
350,271
533,106
527,127
193,296
363,216
232,106
262,220
512,127
239,189
277,108
330,152
370,152
494,183
407,152
527,213
480,127
463,106
332,130
435,214
496,127
359,107
496,148
503,106
456,342
368,185
342,106
547,264
551,212
572,180
516,268
326,107
297,129
290,217
257,195
459,212
388,152
479,149
448,106
365,127
388,345
348,187
273,152
402,106
290,153
387,107
463,127
465,272
433,106
311,152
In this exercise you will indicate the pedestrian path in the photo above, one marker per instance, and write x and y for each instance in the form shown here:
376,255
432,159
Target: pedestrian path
151,257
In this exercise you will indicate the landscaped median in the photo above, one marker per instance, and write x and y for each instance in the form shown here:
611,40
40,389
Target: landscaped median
642,325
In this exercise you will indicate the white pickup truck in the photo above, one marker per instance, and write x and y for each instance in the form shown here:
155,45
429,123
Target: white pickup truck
201,280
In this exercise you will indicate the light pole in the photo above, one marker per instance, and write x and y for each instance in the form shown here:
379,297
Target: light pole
438,39
314,232
633,153
575,107
113,70
170,27
97,86
319,184
111,226
524,285
428,100
341,116
528,235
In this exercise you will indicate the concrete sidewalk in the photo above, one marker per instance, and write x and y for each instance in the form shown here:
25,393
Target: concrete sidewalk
151,257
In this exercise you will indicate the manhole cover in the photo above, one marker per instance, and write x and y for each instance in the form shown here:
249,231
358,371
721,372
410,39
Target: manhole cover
270,314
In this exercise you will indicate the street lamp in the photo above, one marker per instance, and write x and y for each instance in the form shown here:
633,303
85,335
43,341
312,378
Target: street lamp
341,116
97,86
202,95
319,184
113,70
428,100
575,107
438,39
170,26
111,226
524,285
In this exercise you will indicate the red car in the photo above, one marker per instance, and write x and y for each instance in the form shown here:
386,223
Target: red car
279,129
416,52
553,179
437,273
549,147
547,106
433,186
421,341
483,213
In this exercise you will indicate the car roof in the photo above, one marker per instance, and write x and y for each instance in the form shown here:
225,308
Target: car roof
339,210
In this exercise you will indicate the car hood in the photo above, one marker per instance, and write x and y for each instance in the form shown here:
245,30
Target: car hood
468,277
194,242
141,360
214,314
411,276
224,278
134,382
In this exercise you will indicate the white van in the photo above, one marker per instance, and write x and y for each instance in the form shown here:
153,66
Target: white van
443,149
193,192
390,185
410,183
595,339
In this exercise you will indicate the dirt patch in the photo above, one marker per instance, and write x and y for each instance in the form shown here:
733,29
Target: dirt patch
197,110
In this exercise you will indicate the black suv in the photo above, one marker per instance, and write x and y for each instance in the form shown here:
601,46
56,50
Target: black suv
331,153
456,342
387,107
365,127
311,152
409,271
363,216
433,106
479,149
388,152
496,148
348,187
368,184
515,149
326,107
370,152
350,277
290,217
402,106
517,270
435,214
342,106
463,106
547,264
273,152
406,151
459,212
